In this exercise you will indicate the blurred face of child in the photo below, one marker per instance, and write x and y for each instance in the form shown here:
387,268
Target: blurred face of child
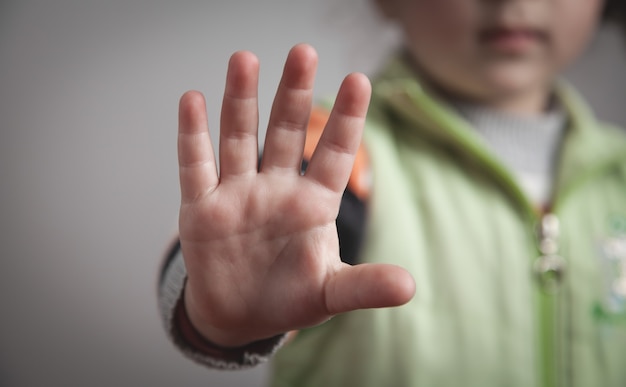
503,53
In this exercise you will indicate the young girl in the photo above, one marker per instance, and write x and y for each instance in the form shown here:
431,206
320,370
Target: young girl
487,203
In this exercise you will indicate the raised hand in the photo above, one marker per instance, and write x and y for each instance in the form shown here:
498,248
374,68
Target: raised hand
260,244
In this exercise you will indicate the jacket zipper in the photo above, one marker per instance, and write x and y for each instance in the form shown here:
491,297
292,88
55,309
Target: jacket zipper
549,270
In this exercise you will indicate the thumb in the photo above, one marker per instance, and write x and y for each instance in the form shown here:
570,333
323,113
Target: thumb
368,286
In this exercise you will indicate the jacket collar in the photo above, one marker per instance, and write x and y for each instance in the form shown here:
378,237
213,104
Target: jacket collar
587,147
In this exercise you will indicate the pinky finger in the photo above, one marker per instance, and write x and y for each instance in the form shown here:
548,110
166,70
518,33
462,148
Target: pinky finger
196,159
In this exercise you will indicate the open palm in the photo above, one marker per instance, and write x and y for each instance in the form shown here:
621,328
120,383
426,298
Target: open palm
260,243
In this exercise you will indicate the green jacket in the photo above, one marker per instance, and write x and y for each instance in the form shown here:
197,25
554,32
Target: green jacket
487,311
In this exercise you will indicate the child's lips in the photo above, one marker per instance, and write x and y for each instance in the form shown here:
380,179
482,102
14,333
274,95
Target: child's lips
512,40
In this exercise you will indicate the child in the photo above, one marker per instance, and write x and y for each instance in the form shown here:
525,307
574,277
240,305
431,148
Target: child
494,207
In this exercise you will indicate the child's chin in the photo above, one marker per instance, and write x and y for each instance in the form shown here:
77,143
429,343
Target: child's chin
513,80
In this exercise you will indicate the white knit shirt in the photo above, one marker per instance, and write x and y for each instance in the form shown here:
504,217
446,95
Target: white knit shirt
527,145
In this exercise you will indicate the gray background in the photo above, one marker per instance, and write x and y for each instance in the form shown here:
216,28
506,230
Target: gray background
89,188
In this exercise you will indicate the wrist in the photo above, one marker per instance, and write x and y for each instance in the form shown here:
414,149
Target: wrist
231,353
188,340
200,323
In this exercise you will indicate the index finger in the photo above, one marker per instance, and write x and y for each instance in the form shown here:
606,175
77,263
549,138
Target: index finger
333,158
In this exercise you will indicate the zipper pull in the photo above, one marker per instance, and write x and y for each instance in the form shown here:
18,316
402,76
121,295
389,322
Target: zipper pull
549,267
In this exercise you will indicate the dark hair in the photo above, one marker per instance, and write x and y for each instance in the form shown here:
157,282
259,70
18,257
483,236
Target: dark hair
615,12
